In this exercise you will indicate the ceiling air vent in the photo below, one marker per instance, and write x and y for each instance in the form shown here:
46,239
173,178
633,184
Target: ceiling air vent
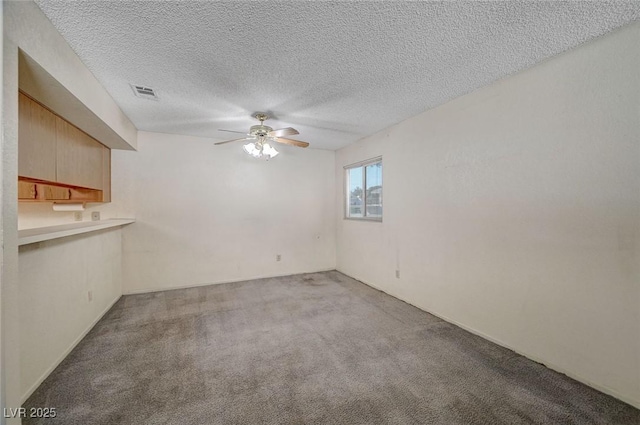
144,92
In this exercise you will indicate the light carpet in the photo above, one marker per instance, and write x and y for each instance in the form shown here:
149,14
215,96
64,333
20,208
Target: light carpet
317,348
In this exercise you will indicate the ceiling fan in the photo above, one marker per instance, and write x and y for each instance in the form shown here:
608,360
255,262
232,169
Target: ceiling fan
260,137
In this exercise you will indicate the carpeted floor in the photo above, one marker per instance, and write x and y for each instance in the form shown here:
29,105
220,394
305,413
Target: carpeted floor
307,349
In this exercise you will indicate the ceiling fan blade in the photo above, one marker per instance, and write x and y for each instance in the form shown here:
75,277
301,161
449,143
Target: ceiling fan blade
291,142
283,132
233,131
233,140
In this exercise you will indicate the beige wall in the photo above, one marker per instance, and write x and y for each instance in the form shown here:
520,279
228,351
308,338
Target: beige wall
9,280
210,214
514,211
55,311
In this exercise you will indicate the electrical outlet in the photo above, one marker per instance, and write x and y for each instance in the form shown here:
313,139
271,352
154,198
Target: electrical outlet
95,216
90,296
77,216
278,257
397,274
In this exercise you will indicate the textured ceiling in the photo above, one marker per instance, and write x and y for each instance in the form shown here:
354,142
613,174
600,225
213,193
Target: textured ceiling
336,71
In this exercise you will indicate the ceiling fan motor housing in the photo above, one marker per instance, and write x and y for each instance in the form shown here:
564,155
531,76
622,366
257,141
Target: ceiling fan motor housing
260,130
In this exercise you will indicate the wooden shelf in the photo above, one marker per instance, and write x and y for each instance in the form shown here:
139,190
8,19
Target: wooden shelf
39,234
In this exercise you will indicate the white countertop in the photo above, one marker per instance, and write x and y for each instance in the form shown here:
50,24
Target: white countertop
40,234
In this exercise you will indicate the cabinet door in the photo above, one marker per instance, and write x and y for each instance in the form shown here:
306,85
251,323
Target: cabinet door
79,157
36,140
26,190
54,193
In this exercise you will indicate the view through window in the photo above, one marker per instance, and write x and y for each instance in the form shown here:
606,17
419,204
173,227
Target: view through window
364,190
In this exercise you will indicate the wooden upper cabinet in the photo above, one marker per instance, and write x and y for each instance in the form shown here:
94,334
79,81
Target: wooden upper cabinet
58,161
37,142
79,157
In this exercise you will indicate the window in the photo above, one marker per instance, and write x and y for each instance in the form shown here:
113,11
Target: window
364,190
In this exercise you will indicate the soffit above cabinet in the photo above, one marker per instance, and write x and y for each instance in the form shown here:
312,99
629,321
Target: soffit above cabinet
41,86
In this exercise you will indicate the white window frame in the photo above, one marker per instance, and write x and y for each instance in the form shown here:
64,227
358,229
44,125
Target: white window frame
363,165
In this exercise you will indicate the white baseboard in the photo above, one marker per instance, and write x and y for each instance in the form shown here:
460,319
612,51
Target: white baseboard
59,360
570,374
196,285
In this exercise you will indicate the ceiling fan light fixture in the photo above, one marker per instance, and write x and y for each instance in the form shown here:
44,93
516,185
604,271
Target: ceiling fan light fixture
252,150
260,150
269,150
262,137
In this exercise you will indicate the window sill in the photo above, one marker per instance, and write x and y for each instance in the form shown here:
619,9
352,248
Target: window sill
375,220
